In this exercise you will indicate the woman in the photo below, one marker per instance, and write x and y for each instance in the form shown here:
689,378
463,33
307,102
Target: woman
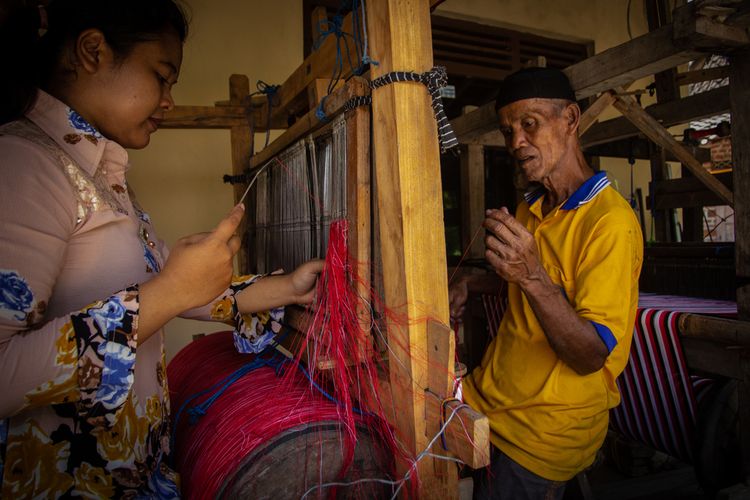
85,286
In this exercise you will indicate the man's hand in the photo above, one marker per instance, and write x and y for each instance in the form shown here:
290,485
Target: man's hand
511,249
458,294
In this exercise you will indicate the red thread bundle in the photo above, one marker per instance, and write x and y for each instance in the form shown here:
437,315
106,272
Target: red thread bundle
251,412
336,332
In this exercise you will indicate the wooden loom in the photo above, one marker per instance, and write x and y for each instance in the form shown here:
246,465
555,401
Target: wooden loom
408,210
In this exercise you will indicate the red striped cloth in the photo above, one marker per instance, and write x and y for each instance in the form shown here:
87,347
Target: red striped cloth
659,396
494,309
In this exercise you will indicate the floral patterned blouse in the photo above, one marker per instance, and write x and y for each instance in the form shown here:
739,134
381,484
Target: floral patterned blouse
83,413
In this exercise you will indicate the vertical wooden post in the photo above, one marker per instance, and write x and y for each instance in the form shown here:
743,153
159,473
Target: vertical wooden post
472,199
359,206
317,18
663,219
739,97
241,140
658,14
412,238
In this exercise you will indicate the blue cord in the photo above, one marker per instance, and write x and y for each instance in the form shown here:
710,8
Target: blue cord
334,26
320,113
331,398
199,410
270,92
276,362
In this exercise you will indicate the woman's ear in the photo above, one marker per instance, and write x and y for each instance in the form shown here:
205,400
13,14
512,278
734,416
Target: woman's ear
91,50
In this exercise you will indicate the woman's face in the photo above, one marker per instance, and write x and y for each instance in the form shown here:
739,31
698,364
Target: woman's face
136,92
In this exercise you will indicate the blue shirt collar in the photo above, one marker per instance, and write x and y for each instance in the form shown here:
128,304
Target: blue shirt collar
587,191
584,194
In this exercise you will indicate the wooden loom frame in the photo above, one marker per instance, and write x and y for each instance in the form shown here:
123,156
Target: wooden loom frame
409,210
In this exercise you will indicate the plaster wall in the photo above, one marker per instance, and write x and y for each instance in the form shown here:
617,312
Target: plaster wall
178,177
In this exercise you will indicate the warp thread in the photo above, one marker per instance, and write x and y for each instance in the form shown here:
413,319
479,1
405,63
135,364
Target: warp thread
336,333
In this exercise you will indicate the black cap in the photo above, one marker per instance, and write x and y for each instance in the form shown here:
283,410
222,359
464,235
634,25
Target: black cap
530,83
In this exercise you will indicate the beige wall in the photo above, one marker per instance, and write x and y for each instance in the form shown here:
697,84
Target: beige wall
178,177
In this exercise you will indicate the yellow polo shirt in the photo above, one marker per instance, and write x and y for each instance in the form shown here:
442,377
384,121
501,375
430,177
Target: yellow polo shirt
543,414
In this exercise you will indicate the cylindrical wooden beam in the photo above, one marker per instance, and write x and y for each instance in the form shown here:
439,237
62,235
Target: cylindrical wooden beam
724,330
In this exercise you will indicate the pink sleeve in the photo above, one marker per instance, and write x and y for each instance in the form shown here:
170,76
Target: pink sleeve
86,356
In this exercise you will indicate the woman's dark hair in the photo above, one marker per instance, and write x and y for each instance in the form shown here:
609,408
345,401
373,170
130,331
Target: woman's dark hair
31,60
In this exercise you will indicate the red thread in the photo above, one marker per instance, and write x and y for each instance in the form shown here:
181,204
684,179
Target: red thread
250,413
340,333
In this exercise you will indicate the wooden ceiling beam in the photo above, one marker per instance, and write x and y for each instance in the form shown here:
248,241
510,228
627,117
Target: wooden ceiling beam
695,107
656,51
628,106
216,117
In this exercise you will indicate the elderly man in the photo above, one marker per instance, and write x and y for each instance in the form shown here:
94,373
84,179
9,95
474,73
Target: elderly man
571,256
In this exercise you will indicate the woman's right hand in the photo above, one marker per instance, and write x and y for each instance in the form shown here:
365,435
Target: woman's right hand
200,266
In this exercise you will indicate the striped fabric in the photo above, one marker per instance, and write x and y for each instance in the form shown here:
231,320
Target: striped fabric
494,309
434,80
658,405
659,397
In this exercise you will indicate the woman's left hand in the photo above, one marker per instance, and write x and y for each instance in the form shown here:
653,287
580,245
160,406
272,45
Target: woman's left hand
303,280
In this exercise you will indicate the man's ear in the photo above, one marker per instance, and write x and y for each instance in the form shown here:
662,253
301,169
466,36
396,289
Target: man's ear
91,50
572,115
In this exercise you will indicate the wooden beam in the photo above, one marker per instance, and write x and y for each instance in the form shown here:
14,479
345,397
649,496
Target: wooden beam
664,226
672,113
221,117
740,102
690,199
317,18
467,433
628,106
741,16
640,148
643,56
412,240
475,124
464,435
333,105
493,138
684,192
472,200
728,331
359,212
702,75
242,141
695,29
292,95
712,358
658,14
591,114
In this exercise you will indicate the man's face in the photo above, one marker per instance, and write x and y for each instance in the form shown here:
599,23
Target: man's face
536,132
